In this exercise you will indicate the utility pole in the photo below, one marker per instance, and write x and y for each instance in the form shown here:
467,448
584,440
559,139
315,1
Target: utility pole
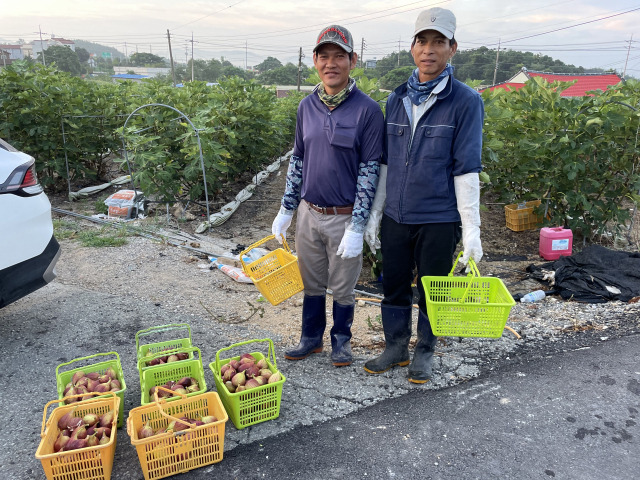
192,71
299,67
245,55
627,60
362,54
495,71
173,71
42,45
398,52
126,54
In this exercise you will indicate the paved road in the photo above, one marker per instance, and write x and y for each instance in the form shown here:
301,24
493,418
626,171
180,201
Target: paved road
572,414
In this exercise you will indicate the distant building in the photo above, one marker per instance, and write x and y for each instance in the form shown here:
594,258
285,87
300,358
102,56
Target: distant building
283,90
129,76
37,46
370,63
585,82
146,71
11,52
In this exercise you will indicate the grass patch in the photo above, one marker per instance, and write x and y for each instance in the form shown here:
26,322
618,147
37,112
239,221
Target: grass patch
89,237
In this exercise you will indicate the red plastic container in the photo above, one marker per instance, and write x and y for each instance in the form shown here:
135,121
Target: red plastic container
555,242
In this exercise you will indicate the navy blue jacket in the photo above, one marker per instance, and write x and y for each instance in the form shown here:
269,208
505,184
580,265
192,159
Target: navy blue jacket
447,142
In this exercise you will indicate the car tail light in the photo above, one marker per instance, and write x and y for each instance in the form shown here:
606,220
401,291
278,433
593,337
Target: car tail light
23,181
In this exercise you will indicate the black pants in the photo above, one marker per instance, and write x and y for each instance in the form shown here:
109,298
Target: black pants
429,247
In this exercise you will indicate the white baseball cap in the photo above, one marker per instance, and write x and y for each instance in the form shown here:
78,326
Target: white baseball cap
439,19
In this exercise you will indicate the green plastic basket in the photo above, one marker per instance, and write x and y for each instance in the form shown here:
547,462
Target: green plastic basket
471,306
64,377
143,349
158,375
250,406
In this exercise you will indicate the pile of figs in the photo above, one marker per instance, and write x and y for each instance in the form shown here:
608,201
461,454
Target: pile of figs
88,383
81,432
175,426
246,373
182,387
174,357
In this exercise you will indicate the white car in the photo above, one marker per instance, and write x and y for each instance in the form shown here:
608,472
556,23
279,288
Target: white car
28,249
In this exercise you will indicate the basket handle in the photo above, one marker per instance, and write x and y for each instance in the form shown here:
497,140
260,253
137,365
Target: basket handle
159,402
89,357
46,423
161,328
270,353
473,272
285,245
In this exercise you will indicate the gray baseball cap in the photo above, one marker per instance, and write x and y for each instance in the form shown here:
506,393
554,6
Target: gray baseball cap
438,19
337,35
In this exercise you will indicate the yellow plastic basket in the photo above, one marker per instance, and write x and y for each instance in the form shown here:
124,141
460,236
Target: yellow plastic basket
250,406
471,306
276,275
90,463
519,217
170,453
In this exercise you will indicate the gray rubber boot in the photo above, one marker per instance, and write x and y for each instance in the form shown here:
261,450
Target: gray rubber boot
420,368
314,321
396,324
341,334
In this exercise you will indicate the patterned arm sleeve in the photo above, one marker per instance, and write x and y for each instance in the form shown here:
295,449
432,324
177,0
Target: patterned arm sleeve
366,190
291,198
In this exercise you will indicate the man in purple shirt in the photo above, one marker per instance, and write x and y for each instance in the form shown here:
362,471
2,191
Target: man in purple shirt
331,182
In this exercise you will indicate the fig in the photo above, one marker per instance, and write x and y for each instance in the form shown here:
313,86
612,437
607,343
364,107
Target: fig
180,390
247,360
104,378
265,372
230,386
115,384
111,372
240,388
252,372
261,380
107,419
104,440
182,355
224,368
92,384
146,431
79,432
92,375
92,441
102,387
276,377
197,423
234,363
106,432
73,423
90,419
172,358
194,387
262,363
209,419
228,375
82,382
239,379
77,376
183,424
251,383
60,442
153,362
185,381
244,366
70,391
171,425
75,443
249,356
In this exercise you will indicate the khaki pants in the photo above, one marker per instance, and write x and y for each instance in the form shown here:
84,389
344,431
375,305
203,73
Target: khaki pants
318,237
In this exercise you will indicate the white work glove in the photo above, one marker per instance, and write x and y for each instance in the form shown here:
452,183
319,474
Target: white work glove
350,245
372,229
467,188
281,223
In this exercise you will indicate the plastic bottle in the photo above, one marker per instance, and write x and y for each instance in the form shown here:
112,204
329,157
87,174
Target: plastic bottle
533,296
234,272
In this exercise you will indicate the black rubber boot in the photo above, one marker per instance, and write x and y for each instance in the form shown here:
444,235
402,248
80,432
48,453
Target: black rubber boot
396,324
420,368
314,321
341,334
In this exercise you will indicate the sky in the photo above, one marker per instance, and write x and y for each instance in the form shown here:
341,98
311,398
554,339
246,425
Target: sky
587,33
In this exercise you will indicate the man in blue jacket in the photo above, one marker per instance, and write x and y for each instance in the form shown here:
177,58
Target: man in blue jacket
431,163
331,182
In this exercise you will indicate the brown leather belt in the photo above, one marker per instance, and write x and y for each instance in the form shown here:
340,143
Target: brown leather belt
344,210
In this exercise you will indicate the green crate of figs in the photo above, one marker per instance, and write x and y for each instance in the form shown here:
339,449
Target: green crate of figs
247,405
160,338
87,376
185,377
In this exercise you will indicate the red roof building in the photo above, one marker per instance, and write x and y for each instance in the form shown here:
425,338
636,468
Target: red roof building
585,82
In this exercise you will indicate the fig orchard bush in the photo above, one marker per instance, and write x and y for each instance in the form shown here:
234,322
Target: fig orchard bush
579,155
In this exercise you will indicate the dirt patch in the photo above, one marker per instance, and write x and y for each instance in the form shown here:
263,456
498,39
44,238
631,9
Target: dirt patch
180,278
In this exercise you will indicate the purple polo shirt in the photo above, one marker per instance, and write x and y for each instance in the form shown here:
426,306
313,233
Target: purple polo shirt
333,143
